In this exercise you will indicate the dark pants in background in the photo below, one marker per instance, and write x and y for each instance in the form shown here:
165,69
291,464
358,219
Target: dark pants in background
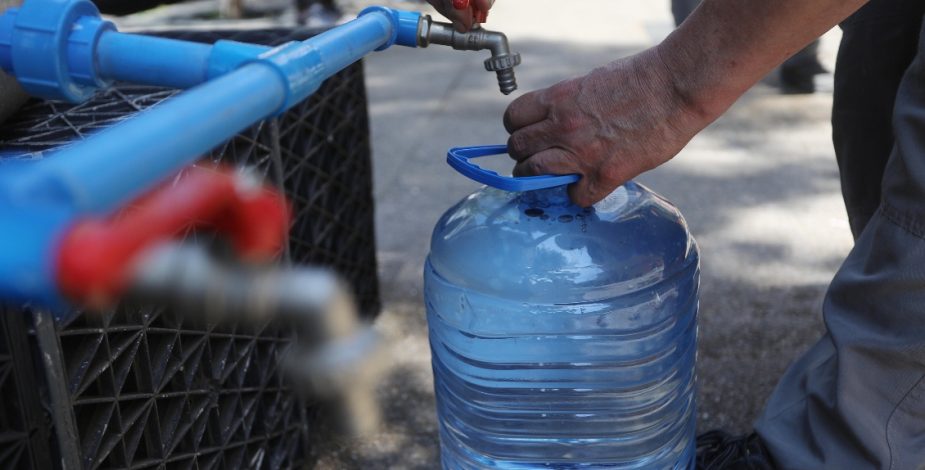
796,73
681,9
305,4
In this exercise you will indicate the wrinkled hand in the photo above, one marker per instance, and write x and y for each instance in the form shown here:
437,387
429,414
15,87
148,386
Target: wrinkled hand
462,19
608,126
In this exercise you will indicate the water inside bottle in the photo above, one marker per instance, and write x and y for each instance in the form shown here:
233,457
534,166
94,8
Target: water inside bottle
563,337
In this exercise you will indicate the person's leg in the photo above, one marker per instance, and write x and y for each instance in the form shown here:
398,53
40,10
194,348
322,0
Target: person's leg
318,13
301,8
797,73
878,44
857,398
681,9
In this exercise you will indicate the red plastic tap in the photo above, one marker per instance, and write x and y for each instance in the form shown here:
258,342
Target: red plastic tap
96,256
479,16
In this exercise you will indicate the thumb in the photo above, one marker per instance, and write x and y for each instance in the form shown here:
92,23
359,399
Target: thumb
462,19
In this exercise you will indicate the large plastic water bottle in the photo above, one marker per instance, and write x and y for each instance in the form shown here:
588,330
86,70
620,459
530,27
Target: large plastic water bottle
562,337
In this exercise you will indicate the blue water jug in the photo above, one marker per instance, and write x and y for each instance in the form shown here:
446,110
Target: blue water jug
561,336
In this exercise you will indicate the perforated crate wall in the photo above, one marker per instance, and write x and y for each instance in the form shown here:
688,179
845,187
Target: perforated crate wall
25,430
144,388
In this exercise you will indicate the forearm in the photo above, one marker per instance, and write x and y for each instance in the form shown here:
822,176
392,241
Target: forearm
726,46
640,111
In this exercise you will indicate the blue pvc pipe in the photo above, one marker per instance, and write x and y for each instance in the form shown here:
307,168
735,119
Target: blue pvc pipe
62,49
171,63
27,261
229,55
108,169
340,46
152,60
306,65
157,61
111,168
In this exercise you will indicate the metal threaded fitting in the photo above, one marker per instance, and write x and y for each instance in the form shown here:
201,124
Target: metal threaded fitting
504,66
501,62
507,81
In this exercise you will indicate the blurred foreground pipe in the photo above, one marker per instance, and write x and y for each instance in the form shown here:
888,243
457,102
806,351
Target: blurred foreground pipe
337,357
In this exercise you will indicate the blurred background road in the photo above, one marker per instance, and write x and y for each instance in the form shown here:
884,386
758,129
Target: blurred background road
759,189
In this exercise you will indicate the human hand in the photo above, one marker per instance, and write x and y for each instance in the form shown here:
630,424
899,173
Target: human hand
608,126
462,19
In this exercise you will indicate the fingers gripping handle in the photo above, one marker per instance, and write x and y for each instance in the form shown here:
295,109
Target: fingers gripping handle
480,16
460,159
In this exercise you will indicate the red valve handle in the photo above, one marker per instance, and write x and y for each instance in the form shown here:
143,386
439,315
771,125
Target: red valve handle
479,16
96,255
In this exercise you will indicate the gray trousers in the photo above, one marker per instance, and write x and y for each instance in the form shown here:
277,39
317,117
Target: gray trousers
856,400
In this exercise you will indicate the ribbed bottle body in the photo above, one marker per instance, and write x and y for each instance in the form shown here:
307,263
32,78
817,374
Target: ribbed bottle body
563,337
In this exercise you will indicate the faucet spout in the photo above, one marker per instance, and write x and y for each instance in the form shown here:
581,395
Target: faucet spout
502,60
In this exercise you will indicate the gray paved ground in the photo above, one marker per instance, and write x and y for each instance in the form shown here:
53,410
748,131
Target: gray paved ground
759,189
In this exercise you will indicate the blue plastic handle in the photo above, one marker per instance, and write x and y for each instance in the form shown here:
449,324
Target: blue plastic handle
459,158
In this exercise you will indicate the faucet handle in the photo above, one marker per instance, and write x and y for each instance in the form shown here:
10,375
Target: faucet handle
480,16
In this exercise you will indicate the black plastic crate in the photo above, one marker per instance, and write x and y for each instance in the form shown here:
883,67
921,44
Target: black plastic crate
25,427
145,388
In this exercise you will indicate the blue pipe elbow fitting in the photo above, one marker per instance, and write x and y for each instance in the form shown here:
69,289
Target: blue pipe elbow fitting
50,46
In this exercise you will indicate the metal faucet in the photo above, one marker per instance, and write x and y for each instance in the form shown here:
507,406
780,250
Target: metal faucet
502,60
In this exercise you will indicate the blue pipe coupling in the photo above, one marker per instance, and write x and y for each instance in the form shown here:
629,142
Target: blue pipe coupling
50,45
